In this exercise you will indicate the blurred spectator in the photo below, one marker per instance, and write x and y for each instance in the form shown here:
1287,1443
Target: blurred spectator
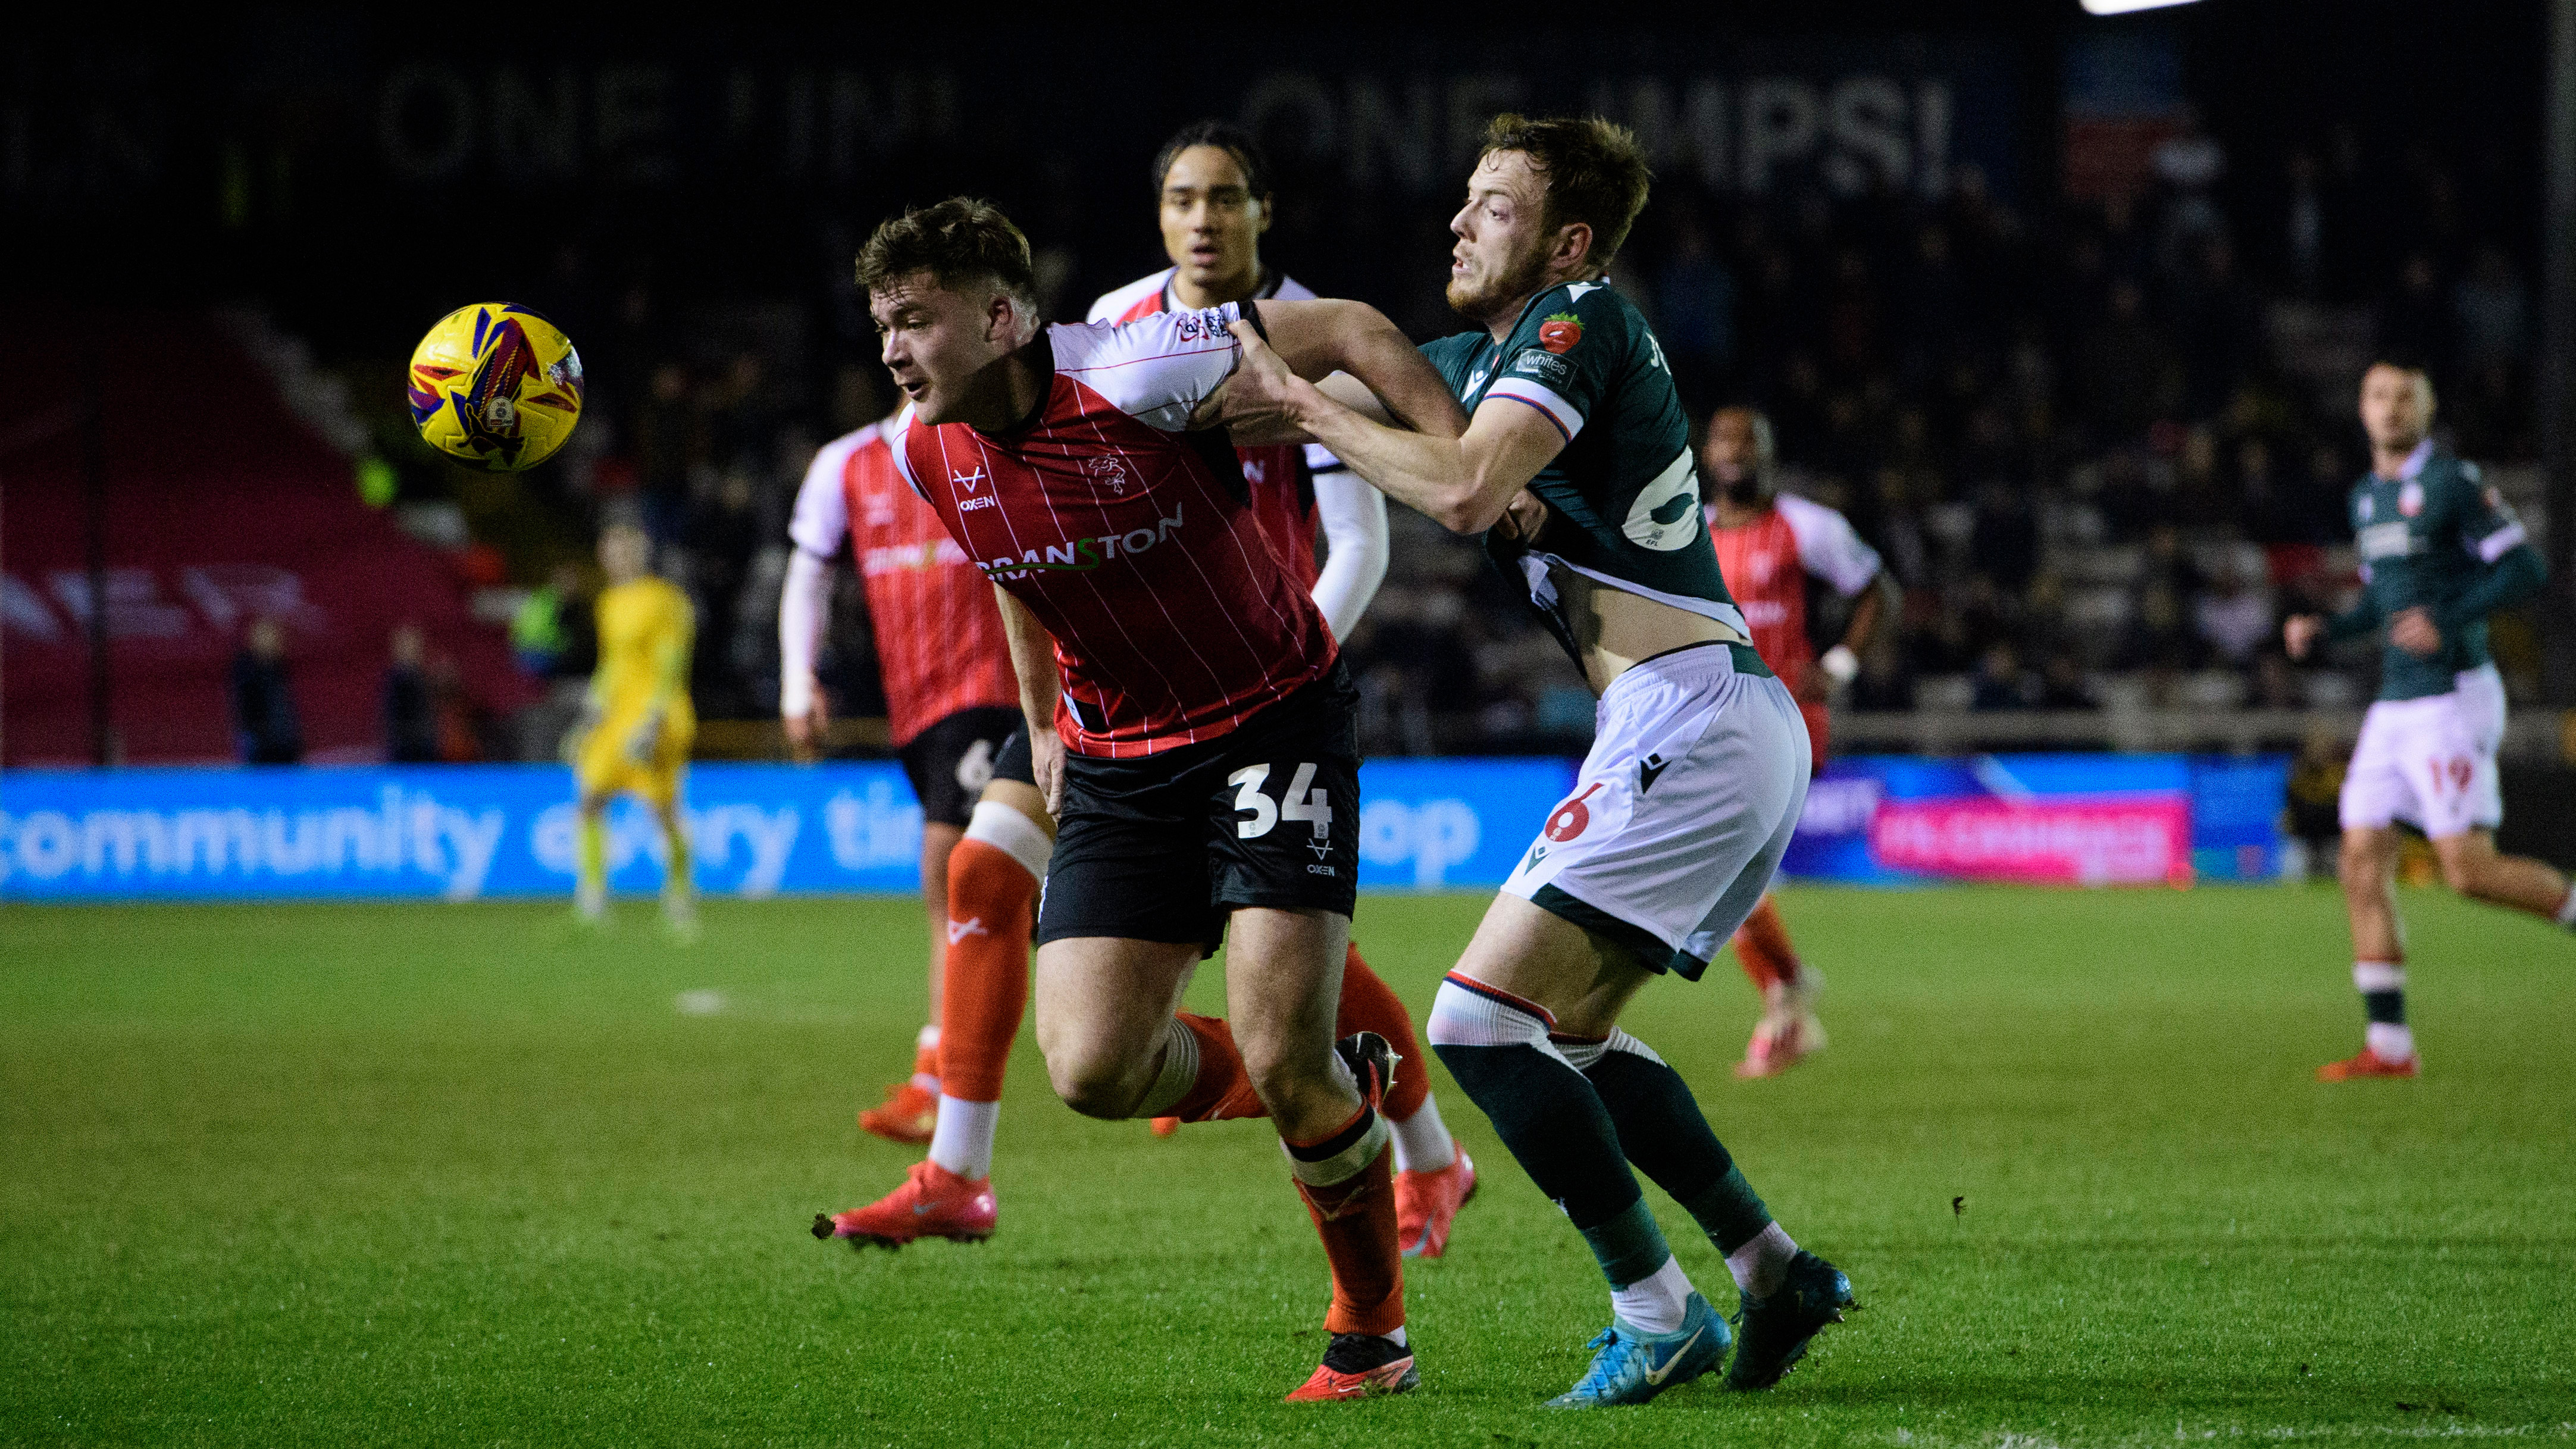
2062,685
2310,818
265,723
411,706
2233,617
2000,681
542,631
669,444
1695,306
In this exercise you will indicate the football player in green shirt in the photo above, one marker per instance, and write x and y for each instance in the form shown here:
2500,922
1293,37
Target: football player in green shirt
2440,550
1576,465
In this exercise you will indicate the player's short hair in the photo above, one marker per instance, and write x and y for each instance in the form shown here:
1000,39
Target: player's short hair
959,241
1596,172
1226,136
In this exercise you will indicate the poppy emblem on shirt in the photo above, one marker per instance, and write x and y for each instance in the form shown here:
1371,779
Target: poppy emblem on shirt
2410,499
1560,332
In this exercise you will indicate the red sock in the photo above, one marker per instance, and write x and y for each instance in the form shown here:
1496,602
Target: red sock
1356,1219
984,982
1369,1004
1762,944
1223,1089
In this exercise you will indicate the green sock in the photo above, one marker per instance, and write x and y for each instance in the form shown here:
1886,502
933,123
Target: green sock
1728,1211
1629,1247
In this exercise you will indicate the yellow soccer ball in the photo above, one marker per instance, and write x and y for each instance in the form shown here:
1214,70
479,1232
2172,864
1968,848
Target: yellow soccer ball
496,386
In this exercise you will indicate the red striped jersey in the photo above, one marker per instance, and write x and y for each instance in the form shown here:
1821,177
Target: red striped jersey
940,646
1766,563
1283,495
1175,615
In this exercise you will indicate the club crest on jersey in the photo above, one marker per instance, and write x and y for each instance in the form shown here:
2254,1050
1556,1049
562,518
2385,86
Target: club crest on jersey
1560,332
1109,471
2410,499
1191,326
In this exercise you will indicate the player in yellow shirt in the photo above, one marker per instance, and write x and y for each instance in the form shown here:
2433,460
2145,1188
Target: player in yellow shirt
636,729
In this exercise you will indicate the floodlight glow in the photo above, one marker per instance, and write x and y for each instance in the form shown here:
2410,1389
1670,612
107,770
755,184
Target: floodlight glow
2124,7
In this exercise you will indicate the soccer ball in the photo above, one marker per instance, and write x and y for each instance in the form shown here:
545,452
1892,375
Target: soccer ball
496,386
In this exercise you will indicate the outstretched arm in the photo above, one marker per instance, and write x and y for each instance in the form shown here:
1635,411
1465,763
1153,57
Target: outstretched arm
1461,481
1316,339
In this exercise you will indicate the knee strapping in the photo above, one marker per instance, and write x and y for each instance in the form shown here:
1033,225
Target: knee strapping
1014,834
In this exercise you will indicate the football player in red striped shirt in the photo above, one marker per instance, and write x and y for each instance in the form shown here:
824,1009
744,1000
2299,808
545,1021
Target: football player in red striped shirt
1768,545
1213,200
1189,719
951,699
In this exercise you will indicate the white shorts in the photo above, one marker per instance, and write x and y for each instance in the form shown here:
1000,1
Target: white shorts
1681,812
2430,762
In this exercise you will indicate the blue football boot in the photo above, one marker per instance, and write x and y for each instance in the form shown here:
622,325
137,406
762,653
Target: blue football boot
1631,1367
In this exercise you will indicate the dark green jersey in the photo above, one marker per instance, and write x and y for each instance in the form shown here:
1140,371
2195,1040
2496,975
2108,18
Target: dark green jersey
2428,537
1623,497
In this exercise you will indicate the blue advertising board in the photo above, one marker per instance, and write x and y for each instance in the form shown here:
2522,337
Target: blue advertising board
479,832
2079,818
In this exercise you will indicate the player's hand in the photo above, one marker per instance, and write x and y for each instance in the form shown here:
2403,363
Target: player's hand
2414,631
1046,763
645,738
2299,634
1258,397
1523,520
806,732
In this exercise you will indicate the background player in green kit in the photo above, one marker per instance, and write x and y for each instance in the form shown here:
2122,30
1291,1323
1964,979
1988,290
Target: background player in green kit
1577,459
2440,550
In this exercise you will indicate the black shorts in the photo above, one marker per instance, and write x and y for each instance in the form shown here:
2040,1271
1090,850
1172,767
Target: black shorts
950,762
1013,763
1166,847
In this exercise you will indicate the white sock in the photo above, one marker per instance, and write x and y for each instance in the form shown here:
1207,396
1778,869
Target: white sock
2393,1041
1762,1264
927,1038
590,897
2567,910
1656,1302
962,1141
1422,1140
1396,1338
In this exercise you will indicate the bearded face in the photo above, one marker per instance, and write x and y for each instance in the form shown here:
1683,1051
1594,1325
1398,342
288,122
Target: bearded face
1501,256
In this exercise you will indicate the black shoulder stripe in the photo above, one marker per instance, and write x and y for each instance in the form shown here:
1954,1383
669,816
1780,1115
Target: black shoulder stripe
1252,313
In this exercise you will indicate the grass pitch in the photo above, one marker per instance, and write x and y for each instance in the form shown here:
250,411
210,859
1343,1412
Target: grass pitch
459,1175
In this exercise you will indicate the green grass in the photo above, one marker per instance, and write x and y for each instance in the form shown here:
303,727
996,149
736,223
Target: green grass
342,1175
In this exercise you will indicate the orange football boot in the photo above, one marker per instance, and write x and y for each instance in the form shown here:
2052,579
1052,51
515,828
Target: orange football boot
908,1113
1358,1366
1426,1203
1165,1126
932,1203
2368,1064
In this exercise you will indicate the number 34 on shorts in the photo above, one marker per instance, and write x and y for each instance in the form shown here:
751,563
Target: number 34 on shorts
1305,802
